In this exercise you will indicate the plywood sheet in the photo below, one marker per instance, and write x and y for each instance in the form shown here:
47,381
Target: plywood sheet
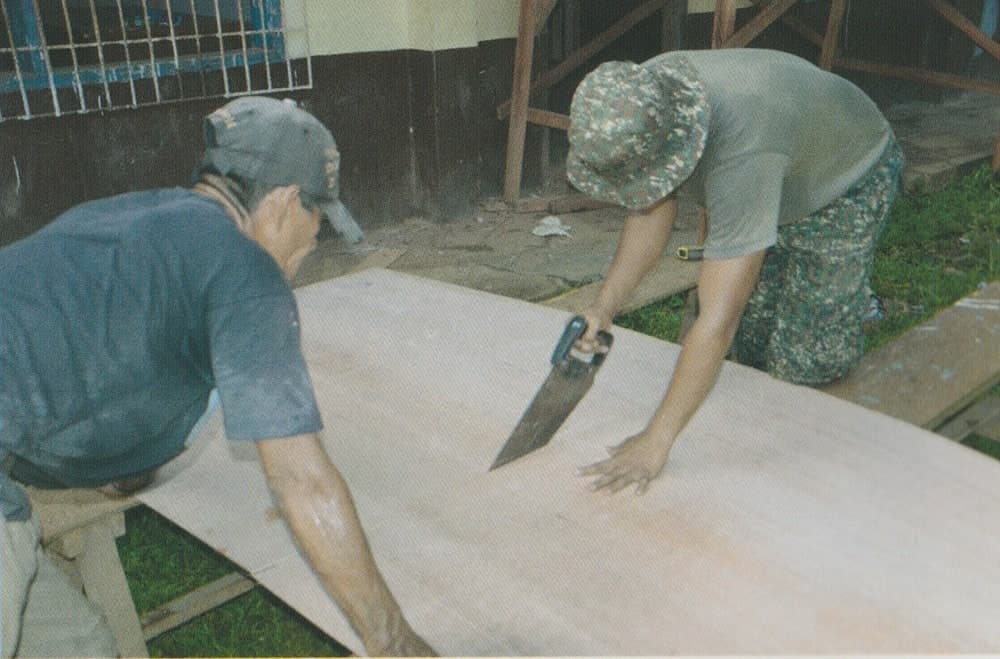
788,521
935,369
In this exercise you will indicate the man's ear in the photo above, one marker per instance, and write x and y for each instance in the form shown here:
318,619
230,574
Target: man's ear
272,209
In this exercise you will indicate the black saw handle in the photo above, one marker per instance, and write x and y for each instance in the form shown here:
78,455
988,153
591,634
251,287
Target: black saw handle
574,330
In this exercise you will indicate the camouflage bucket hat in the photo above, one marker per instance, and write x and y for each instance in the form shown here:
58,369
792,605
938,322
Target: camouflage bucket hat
636,132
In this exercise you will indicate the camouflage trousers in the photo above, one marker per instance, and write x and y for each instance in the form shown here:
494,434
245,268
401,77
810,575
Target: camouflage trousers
803,323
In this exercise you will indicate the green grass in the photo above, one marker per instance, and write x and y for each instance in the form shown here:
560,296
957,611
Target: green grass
163,562
937,248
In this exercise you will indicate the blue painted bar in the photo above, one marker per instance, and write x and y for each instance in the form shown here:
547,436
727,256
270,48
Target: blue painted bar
24,27
122,72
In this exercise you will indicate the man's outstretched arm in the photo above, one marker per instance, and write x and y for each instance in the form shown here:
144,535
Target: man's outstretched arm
317,505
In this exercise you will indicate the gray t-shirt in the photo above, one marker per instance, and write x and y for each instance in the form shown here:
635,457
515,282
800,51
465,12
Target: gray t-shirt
786,139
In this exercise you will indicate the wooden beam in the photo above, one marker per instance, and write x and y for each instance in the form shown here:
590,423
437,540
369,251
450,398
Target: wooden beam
797,25
549,119
979,419
724,22
969,28
105,585
934,370
517,129
182,609
838,9
588,50
768,15
917,75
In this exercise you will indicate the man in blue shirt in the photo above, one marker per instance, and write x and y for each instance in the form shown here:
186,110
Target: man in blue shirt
118,320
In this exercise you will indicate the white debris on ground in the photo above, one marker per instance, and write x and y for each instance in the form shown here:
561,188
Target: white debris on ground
550,225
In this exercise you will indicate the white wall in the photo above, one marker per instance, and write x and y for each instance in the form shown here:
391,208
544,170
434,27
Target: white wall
354,26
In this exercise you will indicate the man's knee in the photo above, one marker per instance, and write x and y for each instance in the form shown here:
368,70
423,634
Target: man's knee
818,361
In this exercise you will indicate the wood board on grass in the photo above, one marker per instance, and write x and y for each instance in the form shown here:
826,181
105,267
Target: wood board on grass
935,369
788,521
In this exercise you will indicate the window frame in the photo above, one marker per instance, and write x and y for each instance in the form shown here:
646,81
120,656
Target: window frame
263,42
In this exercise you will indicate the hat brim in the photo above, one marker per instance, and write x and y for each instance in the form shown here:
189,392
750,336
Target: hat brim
342,220
646,181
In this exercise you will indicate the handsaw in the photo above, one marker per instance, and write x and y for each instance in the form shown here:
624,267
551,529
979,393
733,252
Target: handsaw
568,381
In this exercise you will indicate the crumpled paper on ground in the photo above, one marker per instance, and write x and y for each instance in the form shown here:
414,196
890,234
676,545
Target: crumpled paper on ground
550,225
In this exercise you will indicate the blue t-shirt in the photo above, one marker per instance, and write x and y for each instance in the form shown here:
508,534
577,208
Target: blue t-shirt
118,319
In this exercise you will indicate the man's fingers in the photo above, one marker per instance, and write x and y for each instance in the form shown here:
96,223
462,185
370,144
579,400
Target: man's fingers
593,469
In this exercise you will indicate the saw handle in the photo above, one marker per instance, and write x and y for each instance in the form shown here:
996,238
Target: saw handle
574,330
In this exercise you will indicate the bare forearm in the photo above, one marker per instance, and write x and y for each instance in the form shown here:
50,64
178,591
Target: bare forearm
697,369
725,287
640,247
318,508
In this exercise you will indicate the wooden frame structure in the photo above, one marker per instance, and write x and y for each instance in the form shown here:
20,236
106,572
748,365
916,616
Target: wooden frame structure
726,36
533,14
532,17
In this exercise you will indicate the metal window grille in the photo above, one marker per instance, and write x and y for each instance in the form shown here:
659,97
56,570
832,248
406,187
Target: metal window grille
73,56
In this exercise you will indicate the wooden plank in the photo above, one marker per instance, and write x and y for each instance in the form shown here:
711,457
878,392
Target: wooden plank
788,522
967,27
670,277
797,25
723,22
105,585
517,127
980,419
768,15
917,75
60,512
831,41
549,119
191,605
937,368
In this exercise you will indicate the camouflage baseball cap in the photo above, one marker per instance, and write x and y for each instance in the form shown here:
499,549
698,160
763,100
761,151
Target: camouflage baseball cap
637,131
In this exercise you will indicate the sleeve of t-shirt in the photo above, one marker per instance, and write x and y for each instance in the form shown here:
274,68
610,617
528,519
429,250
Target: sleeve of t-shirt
743,199
259,370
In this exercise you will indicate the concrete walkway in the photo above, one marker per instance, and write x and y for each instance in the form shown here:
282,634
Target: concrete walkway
496,251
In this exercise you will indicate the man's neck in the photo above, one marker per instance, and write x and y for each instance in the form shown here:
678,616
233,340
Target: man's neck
215,188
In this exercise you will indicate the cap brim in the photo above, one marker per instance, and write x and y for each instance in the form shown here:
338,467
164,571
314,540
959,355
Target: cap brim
342,221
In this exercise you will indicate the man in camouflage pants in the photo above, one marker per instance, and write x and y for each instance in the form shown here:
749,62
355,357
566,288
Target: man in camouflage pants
796,168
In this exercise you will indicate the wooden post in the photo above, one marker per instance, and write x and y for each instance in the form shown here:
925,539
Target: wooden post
724,23
518,127
967,27
105,585
836,20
